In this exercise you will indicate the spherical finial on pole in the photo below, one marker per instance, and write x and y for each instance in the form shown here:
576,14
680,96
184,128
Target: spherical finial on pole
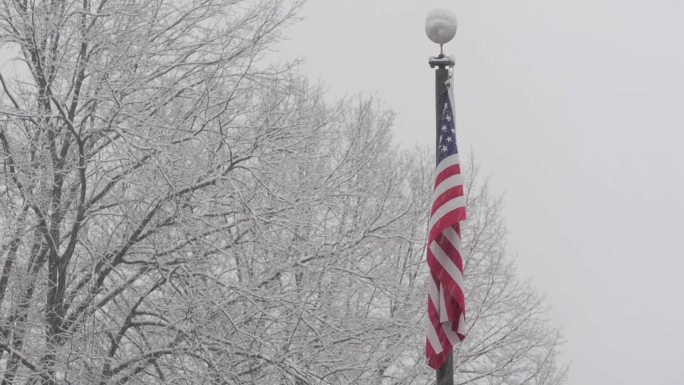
440,26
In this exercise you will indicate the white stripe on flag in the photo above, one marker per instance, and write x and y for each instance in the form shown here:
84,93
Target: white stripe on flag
450,234
451,335
432,338
447,263
433,292
450,182
447,162
445,209
443,315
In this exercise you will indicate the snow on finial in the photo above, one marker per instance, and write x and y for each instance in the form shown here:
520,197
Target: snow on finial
440,25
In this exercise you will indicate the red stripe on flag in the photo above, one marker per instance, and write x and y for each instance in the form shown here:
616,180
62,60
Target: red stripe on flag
446,221
454,192
450,285
447,172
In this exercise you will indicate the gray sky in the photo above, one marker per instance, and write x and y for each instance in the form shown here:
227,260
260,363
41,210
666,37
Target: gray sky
575,109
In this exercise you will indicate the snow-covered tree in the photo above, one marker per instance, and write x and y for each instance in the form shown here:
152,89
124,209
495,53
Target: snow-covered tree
127,138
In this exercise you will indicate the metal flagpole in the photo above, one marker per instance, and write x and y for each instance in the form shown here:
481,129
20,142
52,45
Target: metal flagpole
445,374
440,27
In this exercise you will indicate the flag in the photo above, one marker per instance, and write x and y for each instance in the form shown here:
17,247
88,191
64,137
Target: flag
446,302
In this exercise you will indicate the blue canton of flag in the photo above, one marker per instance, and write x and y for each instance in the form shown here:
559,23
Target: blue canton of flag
447,133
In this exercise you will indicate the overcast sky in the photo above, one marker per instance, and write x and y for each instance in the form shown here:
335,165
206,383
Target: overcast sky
576,111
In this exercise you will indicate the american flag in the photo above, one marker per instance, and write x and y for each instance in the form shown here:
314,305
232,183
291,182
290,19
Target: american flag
446,303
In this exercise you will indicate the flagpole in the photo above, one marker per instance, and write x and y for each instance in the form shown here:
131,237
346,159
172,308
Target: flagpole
440,26
445,374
